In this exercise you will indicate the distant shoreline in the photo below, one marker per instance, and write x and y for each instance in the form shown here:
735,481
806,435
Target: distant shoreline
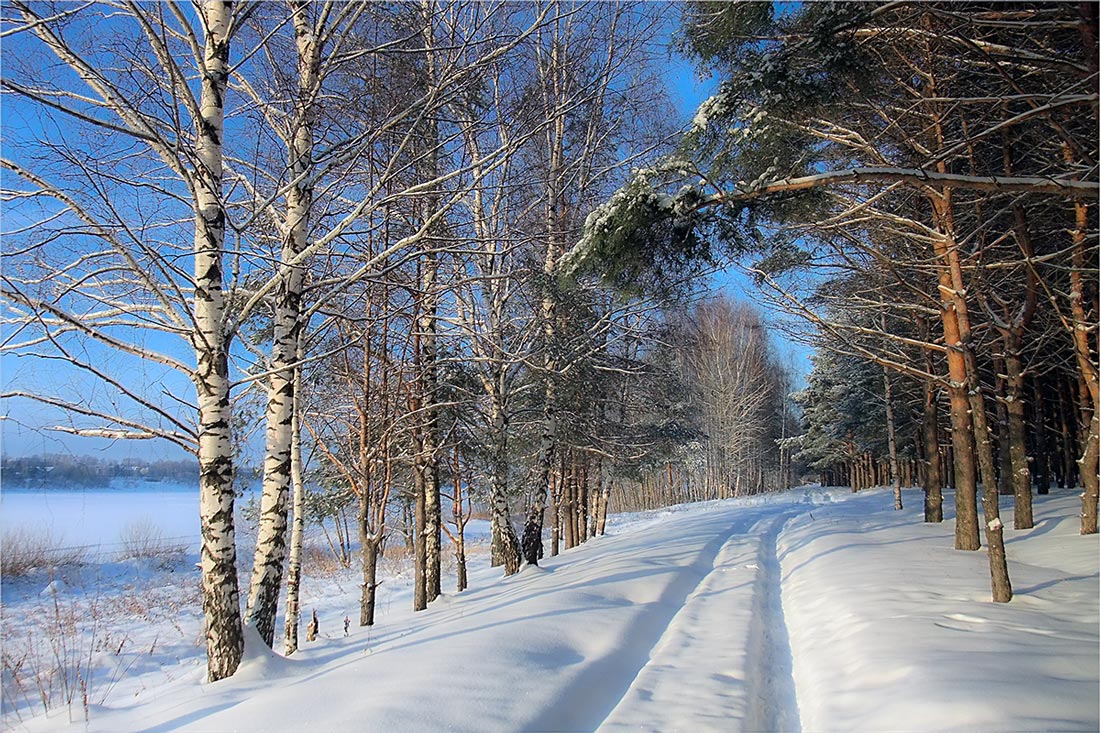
118,487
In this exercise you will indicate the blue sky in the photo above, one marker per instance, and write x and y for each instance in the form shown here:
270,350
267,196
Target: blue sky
689,90
21,436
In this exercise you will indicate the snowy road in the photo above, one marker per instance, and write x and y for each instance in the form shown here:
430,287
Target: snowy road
686,619
674,624
724,656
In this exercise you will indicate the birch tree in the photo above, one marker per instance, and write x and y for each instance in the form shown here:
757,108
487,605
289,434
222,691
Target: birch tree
159,95
580,60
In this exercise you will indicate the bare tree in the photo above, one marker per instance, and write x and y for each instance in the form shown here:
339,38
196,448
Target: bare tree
171,59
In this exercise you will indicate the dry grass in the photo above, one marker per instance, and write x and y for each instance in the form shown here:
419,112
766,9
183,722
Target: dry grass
318,561
142,539
51,664
24,550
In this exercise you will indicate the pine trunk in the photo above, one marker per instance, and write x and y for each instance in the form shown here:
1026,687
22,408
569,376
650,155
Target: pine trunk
1042,446
891,441
1017,436
994,529
1087,370
1004,455
953,317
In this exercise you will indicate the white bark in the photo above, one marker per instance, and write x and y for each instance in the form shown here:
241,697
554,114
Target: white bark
552,89
297,530
221,599
505,543
267,568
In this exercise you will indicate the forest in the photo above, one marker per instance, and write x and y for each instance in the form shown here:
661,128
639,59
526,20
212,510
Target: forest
62,471
421,261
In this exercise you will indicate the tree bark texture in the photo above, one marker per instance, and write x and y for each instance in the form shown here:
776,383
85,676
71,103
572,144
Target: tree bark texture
952,311
220,589
297,527
270,555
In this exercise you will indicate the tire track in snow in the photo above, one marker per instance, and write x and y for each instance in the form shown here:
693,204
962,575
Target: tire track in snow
722,663
773,702
598,689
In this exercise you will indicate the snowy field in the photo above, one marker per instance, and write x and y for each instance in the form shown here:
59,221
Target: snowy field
816,610
97,519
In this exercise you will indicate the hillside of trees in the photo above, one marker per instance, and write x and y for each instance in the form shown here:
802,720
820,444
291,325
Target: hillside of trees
60,471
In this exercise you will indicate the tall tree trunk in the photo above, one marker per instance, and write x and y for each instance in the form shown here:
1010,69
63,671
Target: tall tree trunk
1067,412
428,513
553,96
297,528
933,478
505,543
1017,437
569,505
1004,455
994,528
1087,370
601,510
460,517
962,363
433,510
1042,445
369,589
428,582
270,555
420,555
962,434
582,514
532,528
891,440
220,590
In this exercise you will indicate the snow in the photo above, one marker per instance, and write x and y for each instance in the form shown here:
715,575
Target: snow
814,610
98,518
881,608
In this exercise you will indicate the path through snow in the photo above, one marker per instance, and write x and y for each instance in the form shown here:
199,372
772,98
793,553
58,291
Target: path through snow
686,619
724,657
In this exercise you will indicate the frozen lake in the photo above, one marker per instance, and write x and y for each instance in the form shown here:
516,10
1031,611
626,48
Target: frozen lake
98,516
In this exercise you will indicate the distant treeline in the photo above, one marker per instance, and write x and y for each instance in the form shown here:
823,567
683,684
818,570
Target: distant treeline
61,471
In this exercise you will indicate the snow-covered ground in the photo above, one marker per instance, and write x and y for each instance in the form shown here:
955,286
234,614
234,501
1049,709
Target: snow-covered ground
817,610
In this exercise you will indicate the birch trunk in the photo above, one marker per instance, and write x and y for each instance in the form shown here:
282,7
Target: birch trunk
220,590
427,468
270,555
506,550
532,528
427,581
297,529
433,513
